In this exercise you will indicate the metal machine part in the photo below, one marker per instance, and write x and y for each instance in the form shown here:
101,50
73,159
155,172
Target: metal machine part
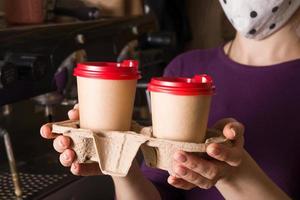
34,185
6,110
86,13
12,163
35,53
28,66
8,74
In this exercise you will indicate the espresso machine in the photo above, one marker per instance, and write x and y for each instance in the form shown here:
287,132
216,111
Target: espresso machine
37,86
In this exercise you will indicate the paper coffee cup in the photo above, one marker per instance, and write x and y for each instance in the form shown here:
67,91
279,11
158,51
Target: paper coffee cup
106,93
180,107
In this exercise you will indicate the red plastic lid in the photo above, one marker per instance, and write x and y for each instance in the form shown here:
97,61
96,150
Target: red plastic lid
198,85
125,70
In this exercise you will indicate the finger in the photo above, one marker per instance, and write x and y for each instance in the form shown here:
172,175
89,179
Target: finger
73,114
46,132
67,157
235,131
222,123
76,106
231,155
61,143
180,183
193,177
90,169
201,166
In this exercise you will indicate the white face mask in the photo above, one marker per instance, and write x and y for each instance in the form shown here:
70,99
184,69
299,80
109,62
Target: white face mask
257,19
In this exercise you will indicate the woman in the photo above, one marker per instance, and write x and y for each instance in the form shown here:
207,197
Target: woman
256,76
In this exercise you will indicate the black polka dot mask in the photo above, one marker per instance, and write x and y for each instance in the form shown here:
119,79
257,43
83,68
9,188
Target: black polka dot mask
257,19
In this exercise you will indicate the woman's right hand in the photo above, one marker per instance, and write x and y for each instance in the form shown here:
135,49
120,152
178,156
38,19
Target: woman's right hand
62,144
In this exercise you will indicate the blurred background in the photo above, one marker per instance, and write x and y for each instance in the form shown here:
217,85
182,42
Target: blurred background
40,43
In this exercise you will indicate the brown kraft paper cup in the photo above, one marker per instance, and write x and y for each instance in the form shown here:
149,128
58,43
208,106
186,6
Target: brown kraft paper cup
180,107
106,93
24,11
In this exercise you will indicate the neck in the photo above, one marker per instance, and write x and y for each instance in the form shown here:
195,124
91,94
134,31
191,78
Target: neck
282,46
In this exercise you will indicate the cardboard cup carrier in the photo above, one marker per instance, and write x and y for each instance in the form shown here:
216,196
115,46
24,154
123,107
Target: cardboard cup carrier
106,93
180,108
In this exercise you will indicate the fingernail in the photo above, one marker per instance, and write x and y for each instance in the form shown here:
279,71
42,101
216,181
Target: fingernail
75,166
172,180
61,144
180,157
216,151
180,171
70,111
233,132
66,157
42,133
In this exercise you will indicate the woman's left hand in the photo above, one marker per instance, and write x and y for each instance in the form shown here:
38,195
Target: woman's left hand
193,171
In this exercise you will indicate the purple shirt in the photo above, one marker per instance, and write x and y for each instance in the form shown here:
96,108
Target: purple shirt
265,99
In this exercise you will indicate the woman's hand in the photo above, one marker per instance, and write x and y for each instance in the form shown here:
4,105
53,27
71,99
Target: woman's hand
193,171
67,156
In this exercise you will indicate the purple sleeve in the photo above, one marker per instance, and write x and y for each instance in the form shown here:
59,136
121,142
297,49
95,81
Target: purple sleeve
159,179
